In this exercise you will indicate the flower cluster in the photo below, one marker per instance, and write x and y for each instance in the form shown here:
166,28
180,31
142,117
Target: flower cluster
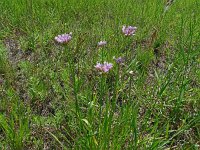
63,38
119,60
129,30
105,67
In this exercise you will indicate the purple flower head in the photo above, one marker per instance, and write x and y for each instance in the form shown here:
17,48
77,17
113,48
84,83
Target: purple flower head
63,38
129,30
119,60
98,66
102,43
105,67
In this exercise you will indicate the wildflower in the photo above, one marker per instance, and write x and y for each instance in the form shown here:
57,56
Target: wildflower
102,43
129,30
105,67
119,60
63,38
98,66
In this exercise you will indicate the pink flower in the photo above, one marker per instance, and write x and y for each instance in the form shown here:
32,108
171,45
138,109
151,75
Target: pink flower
119,60
105,67
129,30
102,43
63,38
98,66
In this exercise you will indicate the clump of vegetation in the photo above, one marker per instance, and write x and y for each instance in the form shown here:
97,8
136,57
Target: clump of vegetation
99,74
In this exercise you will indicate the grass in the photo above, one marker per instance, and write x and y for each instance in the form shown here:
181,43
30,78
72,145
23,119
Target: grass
52,97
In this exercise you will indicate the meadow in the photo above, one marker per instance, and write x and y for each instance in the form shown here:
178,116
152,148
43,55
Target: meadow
99,74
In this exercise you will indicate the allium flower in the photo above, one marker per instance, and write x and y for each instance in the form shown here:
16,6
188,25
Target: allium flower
98,66
102,43
119,60
105,67
129,30
63,38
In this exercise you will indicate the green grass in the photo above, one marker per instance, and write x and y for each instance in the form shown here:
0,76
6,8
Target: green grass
52,97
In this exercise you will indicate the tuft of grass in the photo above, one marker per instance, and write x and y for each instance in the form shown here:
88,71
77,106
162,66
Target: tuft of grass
14,123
